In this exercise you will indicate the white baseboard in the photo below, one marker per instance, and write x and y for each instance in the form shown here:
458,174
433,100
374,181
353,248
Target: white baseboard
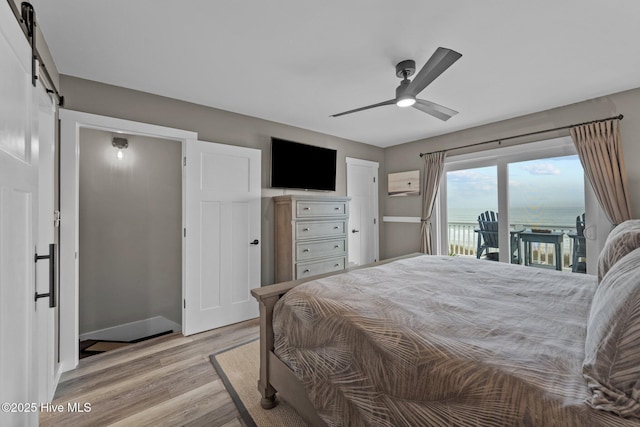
134,330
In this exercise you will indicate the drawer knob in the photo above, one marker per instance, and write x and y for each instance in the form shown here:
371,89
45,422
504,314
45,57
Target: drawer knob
337,265
307,271
307,209
306,250
337,209
305,229
336,247
336,228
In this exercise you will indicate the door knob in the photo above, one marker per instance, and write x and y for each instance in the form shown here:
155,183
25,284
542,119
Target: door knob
255,242
355,231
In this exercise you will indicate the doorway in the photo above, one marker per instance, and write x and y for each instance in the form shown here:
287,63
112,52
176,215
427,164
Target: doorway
206,167
71,123
130,209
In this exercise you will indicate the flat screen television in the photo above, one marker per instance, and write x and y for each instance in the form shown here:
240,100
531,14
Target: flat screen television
302,166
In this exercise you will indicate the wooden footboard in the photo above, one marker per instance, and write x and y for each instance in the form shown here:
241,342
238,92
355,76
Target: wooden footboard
275,376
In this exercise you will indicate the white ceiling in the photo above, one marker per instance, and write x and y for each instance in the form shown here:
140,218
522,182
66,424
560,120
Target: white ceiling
297,62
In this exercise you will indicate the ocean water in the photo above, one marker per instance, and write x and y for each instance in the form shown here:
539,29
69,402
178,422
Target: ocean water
558,217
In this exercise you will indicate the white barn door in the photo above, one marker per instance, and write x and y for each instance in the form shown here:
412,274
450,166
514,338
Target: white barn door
46,316
18,225
222,229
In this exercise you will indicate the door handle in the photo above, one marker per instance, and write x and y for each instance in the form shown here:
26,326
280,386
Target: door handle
52,275
355,231
255,242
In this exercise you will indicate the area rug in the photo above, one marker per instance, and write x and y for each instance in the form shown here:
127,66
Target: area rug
239,369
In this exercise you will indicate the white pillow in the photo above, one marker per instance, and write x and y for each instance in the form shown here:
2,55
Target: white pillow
622,240
612,346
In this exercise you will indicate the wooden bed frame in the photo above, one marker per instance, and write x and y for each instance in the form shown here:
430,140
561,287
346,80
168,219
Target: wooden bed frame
275,375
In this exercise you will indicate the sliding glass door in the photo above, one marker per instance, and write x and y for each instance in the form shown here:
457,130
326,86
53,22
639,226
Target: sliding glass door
470,192
546,196
537,192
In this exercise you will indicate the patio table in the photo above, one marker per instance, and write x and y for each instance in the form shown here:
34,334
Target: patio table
554,237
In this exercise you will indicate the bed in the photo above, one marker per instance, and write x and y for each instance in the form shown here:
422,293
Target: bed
456,341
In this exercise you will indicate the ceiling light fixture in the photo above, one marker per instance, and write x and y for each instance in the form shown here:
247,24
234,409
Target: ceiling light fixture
405,101
120,144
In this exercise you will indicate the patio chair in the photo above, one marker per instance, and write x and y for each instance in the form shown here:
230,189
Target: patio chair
488,238
487,235
579,253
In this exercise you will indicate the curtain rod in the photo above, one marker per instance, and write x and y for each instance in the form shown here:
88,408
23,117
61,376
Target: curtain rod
618,117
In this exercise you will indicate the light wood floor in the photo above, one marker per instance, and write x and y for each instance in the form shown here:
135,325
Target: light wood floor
166,381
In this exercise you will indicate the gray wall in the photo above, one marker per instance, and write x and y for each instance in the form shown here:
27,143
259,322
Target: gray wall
130,230
395,239
403,238
218,126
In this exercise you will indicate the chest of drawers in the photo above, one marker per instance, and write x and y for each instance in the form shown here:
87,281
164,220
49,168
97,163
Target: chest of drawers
310,235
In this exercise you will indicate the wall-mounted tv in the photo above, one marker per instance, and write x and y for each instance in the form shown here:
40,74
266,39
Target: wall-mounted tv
302,166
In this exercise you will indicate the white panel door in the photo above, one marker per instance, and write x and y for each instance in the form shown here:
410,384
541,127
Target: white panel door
222,243
362,187
18,224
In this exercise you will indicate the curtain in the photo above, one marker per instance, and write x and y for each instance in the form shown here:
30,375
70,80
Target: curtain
433,167
600,152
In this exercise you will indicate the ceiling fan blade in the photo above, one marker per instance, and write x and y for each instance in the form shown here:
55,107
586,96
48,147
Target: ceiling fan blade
380,104
438,111
442,59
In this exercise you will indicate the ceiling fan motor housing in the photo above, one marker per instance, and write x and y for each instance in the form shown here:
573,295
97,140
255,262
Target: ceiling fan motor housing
400,90
405,68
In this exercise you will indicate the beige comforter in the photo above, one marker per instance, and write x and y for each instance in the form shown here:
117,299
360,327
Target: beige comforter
442,341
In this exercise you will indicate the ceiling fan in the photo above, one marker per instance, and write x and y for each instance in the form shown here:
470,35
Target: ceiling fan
406,93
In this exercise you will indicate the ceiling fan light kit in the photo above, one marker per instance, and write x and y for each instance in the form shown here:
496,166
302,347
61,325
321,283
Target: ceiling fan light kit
406,101
406,92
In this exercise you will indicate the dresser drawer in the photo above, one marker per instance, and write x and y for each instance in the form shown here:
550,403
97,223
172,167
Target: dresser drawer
310,209
321,249
309,269
317,229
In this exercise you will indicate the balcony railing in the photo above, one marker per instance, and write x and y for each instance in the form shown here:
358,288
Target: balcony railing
463,240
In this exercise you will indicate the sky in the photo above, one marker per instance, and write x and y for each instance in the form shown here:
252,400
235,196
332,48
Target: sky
535,185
